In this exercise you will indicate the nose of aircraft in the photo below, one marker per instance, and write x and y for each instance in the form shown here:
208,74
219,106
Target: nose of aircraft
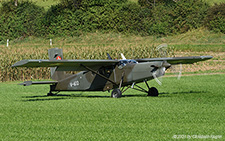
160,71
166,65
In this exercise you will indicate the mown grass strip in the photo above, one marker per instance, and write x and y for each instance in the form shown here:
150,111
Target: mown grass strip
192,106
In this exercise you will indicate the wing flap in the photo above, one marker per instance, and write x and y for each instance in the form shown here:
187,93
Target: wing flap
177,60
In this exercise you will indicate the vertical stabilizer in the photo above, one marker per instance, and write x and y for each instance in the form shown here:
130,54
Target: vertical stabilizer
56,54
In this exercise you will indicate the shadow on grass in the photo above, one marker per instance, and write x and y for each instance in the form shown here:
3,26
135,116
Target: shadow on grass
165,94
59,97
71,96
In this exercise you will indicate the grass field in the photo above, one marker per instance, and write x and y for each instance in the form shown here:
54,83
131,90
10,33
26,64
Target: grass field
192,106
47,3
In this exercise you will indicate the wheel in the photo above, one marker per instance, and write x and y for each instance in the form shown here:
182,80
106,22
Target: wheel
50,94
116,93
153,92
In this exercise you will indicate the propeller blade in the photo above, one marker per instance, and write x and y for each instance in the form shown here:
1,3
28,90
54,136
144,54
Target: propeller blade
162,50
109,57
177,70
123,57
180,72
156,79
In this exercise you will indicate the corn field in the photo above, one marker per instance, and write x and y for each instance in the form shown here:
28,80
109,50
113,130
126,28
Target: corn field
12,54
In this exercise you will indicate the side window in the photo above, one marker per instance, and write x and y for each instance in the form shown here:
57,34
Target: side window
122,64
105,71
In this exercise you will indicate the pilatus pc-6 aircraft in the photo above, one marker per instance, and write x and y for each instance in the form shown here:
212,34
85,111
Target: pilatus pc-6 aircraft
104,75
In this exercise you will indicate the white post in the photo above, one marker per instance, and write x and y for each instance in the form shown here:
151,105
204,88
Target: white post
50,42
7,43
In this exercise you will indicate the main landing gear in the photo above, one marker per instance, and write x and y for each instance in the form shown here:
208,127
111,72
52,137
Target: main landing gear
153,92
117,93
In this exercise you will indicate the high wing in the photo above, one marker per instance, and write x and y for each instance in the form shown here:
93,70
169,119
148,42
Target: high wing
78,65
67,65
177,60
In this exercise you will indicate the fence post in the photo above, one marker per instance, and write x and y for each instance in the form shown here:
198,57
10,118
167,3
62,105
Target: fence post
7,43
50,42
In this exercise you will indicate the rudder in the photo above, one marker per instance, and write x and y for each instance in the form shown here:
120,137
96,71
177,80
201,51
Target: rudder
56,54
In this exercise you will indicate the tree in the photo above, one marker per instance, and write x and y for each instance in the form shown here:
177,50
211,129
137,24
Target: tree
152,3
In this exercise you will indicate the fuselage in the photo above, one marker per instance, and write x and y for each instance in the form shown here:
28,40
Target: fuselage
129,71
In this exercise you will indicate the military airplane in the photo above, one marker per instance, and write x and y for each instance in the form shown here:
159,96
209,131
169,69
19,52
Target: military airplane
104,75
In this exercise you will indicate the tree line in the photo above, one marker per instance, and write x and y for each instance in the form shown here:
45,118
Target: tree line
74,17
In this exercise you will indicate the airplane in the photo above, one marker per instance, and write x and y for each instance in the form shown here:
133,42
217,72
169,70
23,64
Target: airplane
104,75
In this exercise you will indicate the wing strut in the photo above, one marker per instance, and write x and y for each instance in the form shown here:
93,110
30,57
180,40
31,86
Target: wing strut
95,72
121,81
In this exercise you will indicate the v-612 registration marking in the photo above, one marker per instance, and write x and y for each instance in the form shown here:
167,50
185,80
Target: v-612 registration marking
74,84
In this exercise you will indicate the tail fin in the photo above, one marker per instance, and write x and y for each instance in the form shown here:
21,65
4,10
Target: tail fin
56,54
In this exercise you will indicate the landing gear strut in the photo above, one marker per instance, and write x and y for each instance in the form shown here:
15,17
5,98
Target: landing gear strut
117,93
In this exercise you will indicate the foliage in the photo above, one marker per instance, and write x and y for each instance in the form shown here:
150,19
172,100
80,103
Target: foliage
83,4
19,21
215,19
73,18
160,24
153,3
129,19
188,14
178,17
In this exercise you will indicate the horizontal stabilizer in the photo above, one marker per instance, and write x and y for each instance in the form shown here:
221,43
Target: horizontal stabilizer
28,83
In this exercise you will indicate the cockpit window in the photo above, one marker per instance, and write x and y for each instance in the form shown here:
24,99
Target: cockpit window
123,63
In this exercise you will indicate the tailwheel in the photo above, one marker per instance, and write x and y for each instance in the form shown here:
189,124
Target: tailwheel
153,92
51,94
116,93
52,88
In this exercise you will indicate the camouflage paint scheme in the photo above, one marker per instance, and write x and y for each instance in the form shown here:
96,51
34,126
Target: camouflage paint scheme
102,75
88,81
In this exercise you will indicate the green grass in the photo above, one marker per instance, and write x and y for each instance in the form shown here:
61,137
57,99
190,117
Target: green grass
194,40
192,106
47,3
214,1
211,2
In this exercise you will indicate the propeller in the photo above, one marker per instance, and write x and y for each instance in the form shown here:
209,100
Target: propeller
163,52
109,57
160,71
156,79
162,49
180,72
123,57
177,69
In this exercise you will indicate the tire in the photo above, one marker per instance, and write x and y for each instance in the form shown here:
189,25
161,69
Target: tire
116,93
153,92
